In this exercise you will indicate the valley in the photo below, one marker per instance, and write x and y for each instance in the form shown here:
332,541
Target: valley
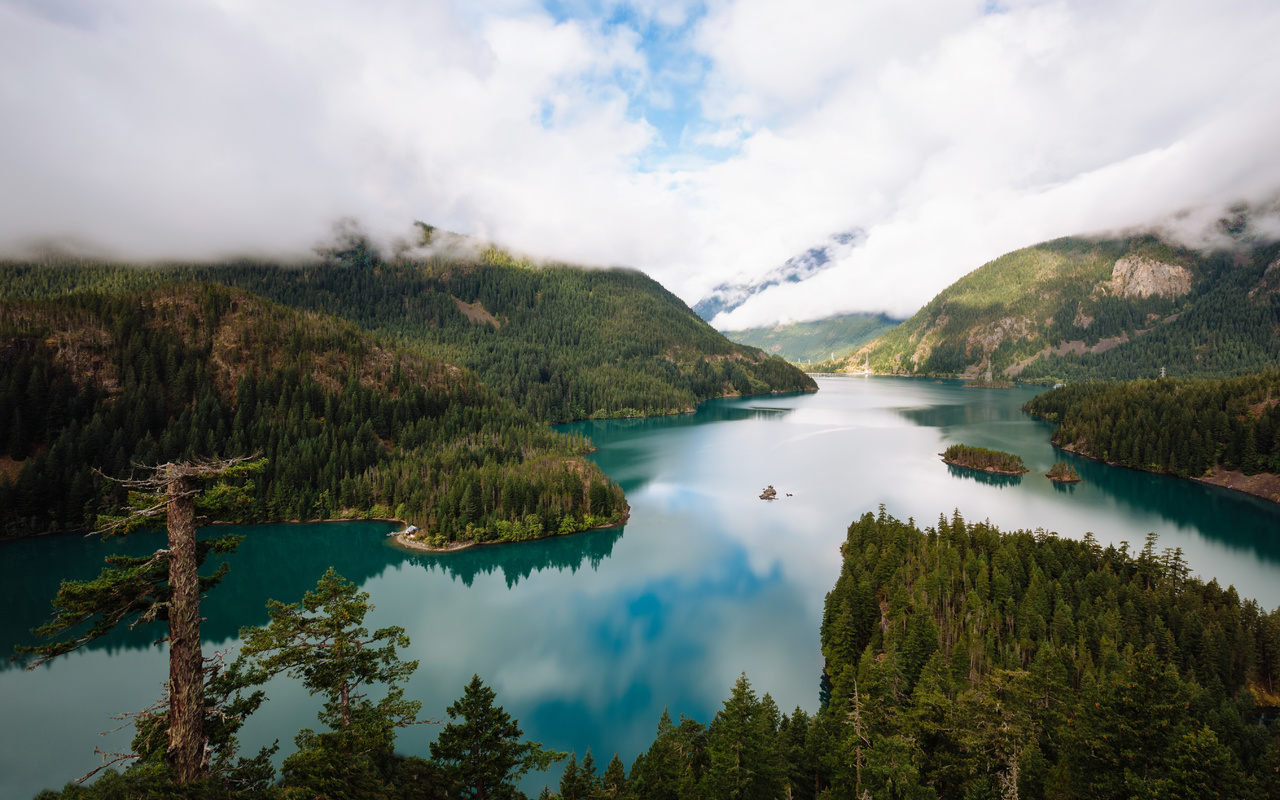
589,637
387,392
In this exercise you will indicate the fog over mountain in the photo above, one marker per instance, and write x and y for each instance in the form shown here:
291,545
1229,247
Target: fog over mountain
705,143
728,296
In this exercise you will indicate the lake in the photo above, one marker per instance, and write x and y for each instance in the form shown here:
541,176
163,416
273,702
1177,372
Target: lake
587,638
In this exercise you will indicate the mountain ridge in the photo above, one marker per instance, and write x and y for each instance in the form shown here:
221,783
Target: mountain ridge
1078,308
561,342
726,297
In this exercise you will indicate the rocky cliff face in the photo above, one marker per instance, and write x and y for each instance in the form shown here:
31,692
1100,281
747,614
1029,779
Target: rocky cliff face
1139,276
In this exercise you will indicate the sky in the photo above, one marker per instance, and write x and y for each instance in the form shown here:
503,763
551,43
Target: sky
702,141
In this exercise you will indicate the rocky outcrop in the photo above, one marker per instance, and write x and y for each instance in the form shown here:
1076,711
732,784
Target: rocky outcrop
1139,276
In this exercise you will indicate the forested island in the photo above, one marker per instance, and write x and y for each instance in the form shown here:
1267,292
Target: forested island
1224,432
981,458
1062,472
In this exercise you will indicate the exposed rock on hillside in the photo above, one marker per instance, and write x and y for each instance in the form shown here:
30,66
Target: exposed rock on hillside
1080,308
1138,276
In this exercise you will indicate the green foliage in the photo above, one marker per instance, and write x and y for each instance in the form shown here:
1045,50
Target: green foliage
482,752
1055,666
742,747
1179,427
1063,472
322,642
981,458
1013,308
561,343
350,427
800,342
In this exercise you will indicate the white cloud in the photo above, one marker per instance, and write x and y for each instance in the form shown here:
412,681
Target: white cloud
1044,121
204,127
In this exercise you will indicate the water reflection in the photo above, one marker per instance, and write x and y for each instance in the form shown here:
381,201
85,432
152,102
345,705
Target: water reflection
279,562
982,476
1236,520
519,561
994,418
587,638
637,446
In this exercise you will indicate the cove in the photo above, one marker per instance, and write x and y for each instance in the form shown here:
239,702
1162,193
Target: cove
587,638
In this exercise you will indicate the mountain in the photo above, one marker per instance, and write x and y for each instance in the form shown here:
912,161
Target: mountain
351,426
726,297
819,340
1078,308
562,343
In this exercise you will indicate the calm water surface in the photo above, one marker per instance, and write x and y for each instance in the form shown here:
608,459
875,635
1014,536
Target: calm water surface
587,638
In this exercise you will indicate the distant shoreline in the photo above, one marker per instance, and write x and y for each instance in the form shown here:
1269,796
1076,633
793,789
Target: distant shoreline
1263,485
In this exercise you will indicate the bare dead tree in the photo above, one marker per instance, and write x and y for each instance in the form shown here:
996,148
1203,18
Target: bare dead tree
165,586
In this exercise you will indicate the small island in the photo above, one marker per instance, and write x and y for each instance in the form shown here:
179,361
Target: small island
1062,472
984,460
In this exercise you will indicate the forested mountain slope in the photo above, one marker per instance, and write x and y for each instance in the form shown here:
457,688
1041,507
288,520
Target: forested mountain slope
350,426
816,341
1225,432
1076,308
562,343
967,662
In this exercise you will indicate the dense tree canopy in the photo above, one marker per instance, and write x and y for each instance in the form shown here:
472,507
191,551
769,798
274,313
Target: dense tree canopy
350,426
1182,427
562,343
1008,312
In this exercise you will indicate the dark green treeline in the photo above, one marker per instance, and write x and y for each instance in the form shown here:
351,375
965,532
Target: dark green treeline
562,343
982,458
350,426
1182,427
964,662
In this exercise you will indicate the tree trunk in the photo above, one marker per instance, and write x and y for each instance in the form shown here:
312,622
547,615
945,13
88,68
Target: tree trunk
186,661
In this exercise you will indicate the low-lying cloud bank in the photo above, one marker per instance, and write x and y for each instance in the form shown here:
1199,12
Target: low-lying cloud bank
950,132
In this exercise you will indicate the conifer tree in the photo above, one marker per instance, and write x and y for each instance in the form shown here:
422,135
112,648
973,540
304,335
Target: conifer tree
165,586
482,751
614,782
323,642
742,749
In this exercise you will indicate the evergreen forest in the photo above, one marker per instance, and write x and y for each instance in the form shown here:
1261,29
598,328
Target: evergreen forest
1180,427
816,341
349,426
562,343
1052,313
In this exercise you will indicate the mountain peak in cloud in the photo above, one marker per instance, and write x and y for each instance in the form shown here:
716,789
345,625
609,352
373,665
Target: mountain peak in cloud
727,296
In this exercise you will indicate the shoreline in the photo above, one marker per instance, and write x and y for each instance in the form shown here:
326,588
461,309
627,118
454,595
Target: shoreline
400,540
1264,485
988,470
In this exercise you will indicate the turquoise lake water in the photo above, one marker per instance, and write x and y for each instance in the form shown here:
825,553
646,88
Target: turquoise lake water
587,638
